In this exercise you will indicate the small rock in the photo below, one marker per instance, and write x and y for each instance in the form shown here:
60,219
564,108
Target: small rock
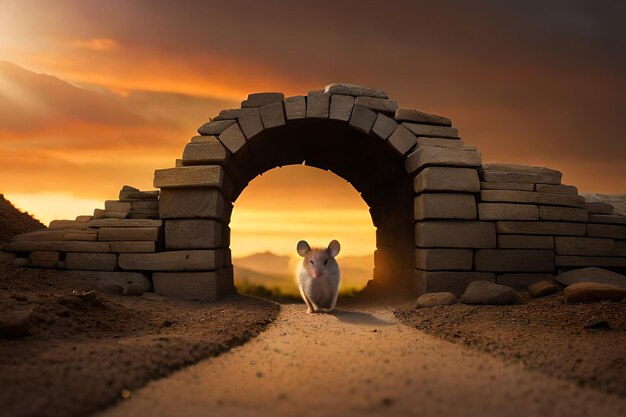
585,292
15,322
485,292
542,288
436,299
593,274
89,296
597,324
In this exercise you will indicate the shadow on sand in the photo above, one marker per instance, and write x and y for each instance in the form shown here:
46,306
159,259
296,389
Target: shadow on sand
354,317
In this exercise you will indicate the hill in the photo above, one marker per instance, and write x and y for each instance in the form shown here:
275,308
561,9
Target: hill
14,221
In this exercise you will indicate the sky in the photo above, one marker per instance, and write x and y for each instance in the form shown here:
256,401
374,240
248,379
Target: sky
95,95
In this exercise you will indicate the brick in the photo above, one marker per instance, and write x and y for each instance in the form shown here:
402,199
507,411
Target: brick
585,246
522,281
232,114
607,219
362,119
606,230
87,237
126,195
402,140
192,286
506,211
354,90
80,246
507,186
489,175
189,203
125,223
556,189
233,138
133,247
83,218
447,179
596,207
409,115
384,126
209,150
444,143
31,246
444,259
251,124
434,155
273,115
68,224
262,99
445,206
215,127
108,234
193,234
195,176
295,107
541,228
525,242
505,196
188,260
43,259
523,169
563,214
377,104
341,107
619,248
432,131
143,205
317,105
455,234
449,281
114,205
514,260
583,261
105,214
91,261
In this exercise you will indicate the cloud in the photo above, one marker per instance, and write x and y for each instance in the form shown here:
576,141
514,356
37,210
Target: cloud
94,44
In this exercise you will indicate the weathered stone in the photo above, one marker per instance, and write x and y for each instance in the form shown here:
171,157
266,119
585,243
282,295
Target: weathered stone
514,260
620,248
409,115
341,107
262,99
606,230
354,90
525,242
273,115
362,119
598,275
251,124
402,140
317,105
432,131
193,234
114,205
295,107
91,261
443,143
188,260
106,214
377,104
45,235
521,281
556,189
436,299
195,286
489,175
607,219
83,218
232,114
445,206
541,228
596,207
108,234
434,155
542,289
215,127
580,261
506,211
43,259
455,234
586,292
447,179
507,186
125,282
125,223
384,126
488,293
586,246
233,138
444,259
195,176
133,247
67,224
506,196
208,151
87,237
450,281
79,246
522,169
189,203
563,214
126,195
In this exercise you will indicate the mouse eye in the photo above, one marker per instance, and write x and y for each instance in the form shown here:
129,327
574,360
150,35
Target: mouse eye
325,262
312,263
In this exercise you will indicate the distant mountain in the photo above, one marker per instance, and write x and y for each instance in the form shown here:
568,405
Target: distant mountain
14,221
266,263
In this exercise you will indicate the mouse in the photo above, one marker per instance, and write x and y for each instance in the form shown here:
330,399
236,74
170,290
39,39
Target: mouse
318,276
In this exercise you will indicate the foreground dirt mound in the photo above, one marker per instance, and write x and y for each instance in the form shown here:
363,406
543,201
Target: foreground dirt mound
14,222
84,351
585,343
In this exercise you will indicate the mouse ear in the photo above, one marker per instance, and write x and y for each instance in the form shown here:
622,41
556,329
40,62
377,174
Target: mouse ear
333,248
303,248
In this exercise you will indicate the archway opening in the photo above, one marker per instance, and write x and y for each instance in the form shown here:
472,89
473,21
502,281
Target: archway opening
292,203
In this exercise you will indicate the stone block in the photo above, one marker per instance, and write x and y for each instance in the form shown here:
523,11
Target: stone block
195,176
525,242
354,90
541,228
416,116
232,114
273,115
145,205
125,223
377,104
450,281
606,230
619,248
114,205
444,143
133,247
384,126
507,211
295,107
43,259
596,207
317,105
233,138
187,260
445,206
189,203
563,214
83,218
88,237
455,234
447,179
193,234
444,259
192,286
262,99
607,219
251,123
215,127
91,261
109,234
45,235
523,169
127,195
585,246
341,107
31,246
522,281
209,150
520,174
434,155
401,140
106,214
362,119
432,131
583,261
556,189
80,246
514,260
507,186
67,224
506,196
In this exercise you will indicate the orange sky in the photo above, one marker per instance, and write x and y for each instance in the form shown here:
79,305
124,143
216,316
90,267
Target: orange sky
127,84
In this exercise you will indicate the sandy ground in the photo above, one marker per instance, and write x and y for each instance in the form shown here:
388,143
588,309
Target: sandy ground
360,363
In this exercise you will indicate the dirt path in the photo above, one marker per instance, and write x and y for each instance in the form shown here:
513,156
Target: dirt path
359,363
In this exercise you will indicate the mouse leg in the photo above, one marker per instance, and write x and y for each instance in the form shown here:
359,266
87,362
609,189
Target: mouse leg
308,303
